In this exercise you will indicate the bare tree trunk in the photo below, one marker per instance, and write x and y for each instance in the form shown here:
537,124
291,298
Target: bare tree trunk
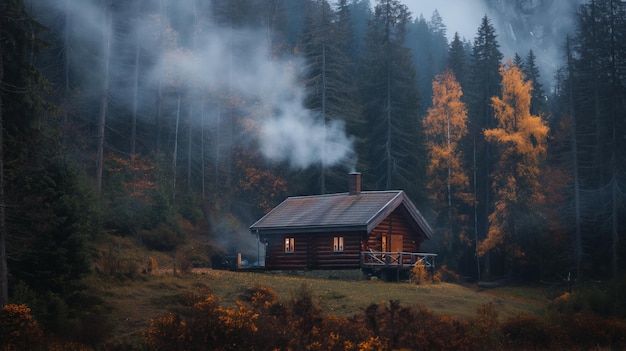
202,149
159,95
66,72
578,236
324,112
175,155
476,214
105,93
218,141
133,122
189,145
389,126
4,282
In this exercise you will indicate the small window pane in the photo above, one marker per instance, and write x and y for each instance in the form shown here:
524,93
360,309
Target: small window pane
338,244
289,245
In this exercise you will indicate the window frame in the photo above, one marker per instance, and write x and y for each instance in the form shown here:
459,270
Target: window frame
289,245
338,244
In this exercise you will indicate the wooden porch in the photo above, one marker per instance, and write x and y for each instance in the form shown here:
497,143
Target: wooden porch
390,264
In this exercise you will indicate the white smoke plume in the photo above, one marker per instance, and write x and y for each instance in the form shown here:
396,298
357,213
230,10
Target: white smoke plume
224,59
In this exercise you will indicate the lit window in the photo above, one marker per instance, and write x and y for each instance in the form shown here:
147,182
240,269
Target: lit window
289,243
338,244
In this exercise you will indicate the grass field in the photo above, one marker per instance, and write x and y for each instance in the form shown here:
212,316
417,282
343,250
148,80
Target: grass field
135,302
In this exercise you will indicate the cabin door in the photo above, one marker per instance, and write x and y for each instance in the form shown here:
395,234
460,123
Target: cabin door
396,243
393,245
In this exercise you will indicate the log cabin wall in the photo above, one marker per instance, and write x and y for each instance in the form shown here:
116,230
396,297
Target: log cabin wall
325,257
314,251
395,224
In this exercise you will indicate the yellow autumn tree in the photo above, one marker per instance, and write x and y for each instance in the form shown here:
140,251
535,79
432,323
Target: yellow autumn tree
519,141
444,127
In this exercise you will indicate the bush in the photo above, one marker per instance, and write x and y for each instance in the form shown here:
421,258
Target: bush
419,274
528,332
588,330
18,328
163,238
447,275
183,263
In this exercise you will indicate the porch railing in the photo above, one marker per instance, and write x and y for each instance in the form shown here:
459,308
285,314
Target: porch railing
380,259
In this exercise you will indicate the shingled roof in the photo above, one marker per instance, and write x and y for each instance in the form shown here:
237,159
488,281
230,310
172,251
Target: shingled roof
338,212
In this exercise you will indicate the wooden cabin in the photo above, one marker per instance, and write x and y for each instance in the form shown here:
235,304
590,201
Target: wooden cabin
357,229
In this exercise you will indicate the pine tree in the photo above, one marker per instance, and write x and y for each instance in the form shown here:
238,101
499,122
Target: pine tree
531,71
457,60
600,102
484,83
391,100
4,271
328,82
519,141
22,87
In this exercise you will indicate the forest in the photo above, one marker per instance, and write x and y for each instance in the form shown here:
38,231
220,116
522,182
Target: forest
161,121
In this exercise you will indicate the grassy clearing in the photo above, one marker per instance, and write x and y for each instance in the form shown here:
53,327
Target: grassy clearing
135,302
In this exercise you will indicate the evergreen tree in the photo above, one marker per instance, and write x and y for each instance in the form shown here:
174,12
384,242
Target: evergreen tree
22,88
457,59
600,100
360,15
538,96
49,217
429,45
391,101
328,82
484,83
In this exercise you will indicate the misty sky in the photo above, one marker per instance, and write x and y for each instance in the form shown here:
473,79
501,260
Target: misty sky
461,16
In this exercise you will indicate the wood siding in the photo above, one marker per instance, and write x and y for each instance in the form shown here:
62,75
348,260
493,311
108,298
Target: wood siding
313,251
392,226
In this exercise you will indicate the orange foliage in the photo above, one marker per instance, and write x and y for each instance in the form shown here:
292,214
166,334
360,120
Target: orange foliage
445,126
18,328
138,175
263,323
520,139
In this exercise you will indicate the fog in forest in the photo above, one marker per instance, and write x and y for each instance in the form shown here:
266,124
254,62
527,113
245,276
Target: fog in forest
521,25
288,131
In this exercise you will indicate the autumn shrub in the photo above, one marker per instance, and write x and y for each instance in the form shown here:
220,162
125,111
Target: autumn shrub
589,330
18,328
260,297
209,326
153,265
528,332
305,318
274,329
419,273
166,333
162,238
447,275
112,262
601,300
183,262
340,333
484,328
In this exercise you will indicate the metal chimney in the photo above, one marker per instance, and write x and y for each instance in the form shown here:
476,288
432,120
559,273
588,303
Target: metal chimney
354,185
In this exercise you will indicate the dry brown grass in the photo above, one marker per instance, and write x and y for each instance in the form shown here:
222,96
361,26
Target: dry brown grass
135,302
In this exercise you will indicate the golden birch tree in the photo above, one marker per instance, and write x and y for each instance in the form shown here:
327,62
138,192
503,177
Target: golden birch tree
519,141
444,127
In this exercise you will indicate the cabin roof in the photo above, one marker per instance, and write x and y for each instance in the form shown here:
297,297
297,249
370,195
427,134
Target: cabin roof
338,212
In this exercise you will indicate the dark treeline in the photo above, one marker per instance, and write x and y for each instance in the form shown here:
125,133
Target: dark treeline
159,119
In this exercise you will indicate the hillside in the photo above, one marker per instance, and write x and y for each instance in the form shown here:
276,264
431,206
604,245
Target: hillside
134,302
